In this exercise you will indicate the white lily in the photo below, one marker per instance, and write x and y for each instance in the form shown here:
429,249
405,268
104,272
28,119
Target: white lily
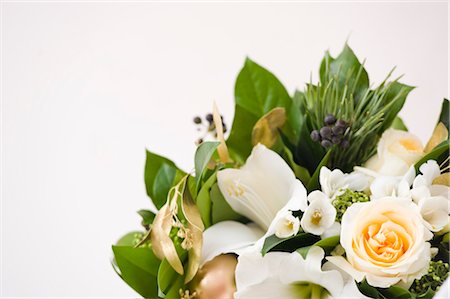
262,187
333,182
228,237
287,226
320,214
286,275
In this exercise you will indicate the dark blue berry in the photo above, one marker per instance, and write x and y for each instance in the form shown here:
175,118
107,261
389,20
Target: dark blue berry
197,120
329,119
209,117
325,132
338,130
315,136
336,139
341,123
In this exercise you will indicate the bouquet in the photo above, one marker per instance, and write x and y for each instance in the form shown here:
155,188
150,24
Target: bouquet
322,194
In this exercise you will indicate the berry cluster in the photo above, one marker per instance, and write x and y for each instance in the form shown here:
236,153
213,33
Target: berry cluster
208,126
333,132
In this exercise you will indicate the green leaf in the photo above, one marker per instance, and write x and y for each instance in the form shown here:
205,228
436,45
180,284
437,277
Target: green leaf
273,243
347,70
300,172
444,115
220,209
160,175
327,245
314,183
147,217
257,91
203,155
369,290
396,93
306,152
439,154
396,292
138,268
168,278
398,124
204,200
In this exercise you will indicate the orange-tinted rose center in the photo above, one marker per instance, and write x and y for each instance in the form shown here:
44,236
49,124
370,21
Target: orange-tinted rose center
383,243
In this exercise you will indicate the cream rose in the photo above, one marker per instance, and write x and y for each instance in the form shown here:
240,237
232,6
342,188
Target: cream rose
396,152
385,241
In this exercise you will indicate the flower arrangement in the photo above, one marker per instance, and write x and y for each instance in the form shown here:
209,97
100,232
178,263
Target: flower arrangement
323,194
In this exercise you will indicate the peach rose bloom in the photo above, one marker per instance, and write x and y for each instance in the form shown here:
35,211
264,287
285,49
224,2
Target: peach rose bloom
385,241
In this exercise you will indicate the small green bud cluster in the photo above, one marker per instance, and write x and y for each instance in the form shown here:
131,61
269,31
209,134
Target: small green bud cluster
138,238
437,274
346,199
208,124
333,132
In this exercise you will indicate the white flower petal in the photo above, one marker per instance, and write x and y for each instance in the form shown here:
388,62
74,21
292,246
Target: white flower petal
287,226
320,214
226,237
263,186
434,211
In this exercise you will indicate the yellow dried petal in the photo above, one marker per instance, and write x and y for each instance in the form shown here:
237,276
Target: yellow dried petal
266,128
162,244
440,134
443,179
195,224
222,149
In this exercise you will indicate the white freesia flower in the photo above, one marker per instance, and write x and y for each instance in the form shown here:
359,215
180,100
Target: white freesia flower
423,186
333,182
434,211
287,226
286,275
320,214
396,152
399,186
385,241
228,237
262,187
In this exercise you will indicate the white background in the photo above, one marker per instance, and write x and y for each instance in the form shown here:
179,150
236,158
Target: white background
87,87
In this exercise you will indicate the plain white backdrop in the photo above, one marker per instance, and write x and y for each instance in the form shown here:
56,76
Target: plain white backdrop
86,87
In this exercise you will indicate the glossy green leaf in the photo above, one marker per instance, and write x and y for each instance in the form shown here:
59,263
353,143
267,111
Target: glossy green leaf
147,217
439,154
220,209
204,200
273,243
397,93
168,278
314,183
257,91
444,115
203,155
347,69
327,245
398,124
138,268
160,175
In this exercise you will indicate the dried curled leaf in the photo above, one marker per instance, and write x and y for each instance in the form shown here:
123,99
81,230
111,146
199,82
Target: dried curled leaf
195,224
266,128
440,134
222,149
443,179
162,244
